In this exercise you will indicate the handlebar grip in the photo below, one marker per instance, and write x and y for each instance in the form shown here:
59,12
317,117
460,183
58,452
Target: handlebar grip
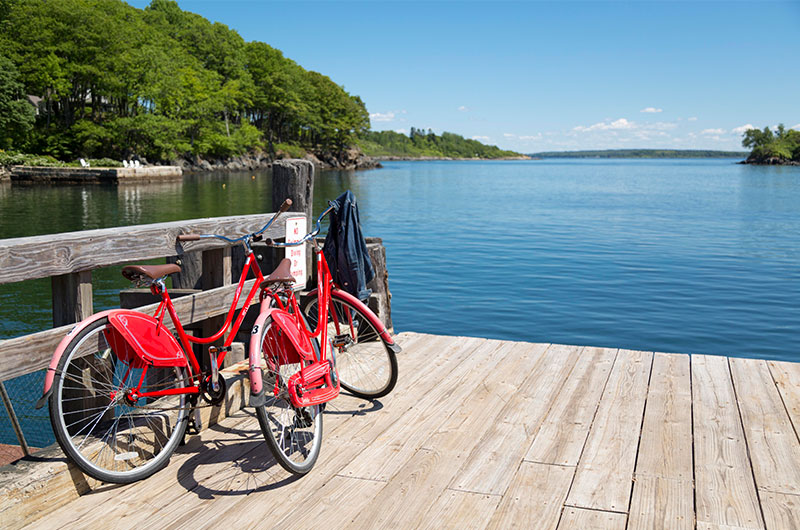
285,206
189,237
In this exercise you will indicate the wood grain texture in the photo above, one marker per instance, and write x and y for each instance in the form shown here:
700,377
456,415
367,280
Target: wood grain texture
563,434
462,510
787,379
665,449
771,439
574,518
661,503
492,463
725,493
781,511
535,497
605,471
27,258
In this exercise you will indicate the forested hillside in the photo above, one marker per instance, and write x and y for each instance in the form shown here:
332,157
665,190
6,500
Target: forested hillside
421,144
109,80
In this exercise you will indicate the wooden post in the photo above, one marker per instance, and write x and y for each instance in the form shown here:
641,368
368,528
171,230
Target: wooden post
294,179
72,297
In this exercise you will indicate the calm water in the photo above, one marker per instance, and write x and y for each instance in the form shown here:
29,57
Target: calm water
666,255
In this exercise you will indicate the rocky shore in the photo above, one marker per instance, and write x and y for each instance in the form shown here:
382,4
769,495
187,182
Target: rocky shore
351,158
771,161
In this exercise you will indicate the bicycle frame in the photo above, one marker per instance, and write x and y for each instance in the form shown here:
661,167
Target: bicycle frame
166,306
316,383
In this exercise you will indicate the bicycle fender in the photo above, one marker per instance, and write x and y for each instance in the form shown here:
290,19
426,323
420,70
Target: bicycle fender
256,381
51,370
139,335
373,318
133,334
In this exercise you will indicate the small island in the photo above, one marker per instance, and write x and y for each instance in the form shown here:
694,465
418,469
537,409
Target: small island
781,147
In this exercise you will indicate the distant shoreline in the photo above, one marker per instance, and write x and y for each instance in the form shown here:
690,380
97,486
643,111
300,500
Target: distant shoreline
643,154
432,158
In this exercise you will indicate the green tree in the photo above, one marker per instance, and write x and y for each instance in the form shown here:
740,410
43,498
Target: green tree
16,114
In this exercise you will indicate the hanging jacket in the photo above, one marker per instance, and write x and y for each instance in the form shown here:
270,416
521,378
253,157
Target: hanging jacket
345,249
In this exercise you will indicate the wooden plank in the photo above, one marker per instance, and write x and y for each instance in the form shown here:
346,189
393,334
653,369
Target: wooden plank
27,258
535,497
771,439
661,503
491,465
22,355
725,493
780,510
435,360
787,379
665,449
563,434
462,510
345,497
605,471
420,484
390,451
584,519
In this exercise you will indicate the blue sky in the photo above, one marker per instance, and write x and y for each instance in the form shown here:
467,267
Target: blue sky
541,76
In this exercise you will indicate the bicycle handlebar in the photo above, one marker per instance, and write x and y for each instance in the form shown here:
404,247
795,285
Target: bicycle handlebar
272,243
255,235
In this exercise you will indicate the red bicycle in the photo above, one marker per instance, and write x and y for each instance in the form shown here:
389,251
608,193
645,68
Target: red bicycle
121,387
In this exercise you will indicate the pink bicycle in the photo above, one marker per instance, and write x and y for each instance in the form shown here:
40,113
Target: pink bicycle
121,386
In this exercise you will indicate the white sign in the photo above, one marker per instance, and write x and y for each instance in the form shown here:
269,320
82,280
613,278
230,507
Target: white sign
295,231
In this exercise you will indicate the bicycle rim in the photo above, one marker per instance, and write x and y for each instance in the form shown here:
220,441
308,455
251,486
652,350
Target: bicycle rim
367,367
108,437
293,435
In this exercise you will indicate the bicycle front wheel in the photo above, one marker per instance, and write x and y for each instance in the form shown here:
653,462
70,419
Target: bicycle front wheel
294,435
367,366
109,436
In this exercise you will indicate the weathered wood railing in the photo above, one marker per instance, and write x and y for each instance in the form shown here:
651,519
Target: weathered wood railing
69,259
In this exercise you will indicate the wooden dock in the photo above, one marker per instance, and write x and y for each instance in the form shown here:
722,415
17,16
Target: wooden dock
94,175
494,434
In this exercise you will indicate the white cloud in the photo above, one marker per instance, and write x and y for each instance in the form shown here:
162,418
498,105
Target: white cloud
693,118
481,138
531,137
619,124
713,131
386,116
795,127
509,135
462,108
651,110
401,131
742,129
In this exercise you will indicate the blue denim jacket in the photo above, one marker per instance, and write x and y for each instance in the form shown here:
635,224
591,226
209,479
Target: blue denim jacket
345,249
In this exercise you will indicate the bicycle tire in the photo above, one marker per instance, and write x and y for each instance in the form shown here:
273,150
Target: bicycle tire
104,435
294,436
366,364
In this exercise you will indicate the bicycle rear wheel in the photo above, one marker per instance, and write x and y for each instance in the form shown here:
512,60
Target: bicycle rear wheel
367,366
294,435
109,437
